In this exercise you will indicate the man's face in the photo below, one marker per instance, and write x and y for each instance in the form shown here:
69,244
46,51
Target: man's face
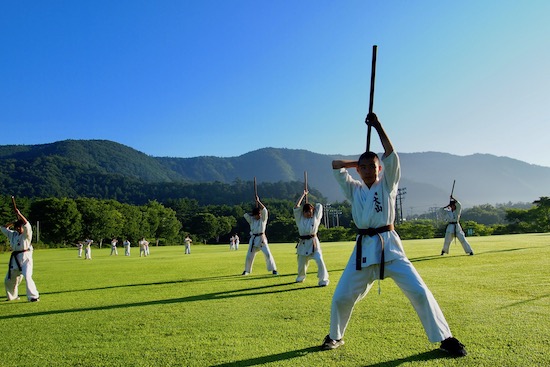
18,229
308,213
368,170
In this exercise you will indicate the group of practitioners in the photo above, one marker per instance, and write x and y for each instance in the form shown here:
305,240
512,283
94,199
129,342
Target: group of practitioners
378,253
86,245
234,242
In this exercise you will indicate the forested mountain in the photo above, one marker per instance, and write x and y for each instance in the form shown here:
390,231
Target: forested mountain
105,169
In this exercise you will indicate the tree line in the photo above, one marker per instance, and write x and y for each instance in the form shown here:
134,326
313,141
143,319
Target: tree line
65,221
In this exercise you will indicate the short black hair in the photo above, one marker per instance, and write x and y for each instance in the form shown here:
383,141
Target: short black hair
256,211
367,156
307,207
18,223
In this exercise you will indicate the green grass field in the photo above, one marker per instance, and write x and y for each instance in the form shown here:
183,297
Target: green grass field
171,309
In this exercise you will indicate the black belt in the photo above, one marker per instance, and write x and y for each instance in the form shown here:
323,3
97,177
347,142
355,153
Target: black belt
14,256
359,248
453,222
254,235
308,237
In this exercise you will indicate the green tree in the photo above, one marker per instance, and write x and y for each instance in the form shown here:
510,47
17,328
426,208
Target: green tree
100,219
60,220
417,229
204,226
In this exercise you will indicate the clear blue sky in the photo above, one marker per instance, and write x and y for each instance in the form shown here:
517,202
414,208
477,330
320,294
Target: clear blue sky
225,77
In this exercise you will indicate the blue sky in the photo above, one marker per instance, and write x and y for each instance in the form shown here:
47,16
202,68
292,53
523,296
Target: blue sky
222,78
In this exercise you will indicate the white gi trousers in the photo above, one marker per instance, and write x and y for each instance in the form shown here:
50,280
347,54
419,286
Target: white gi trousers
450,233
355,284
15,276
88,253
259,243
303,262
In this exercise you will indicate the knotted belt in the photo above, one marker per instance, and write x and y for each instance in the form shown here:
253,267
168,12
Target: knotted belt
254,235
13,256
359,248
308,237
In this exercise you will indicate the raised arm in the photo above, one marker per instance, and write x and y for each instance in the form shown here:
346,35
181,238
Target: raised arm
337,164
21,216
299,202
262,206
372,120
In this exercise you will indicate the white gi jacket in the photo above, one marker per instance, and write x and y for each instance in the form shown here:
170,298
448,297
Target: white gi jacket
257,226
308,226
374,208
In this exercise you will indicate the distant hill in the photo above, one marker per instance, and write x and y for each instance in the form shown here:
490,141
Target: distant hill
80,167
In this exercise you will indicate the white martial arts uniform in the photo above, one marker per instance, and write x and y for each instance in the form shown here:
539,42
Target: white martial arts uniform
454,229
143,248
310,248
232,243
20,264
79,246
375,208
258,242
126,248
113,247
187,242
88,250
237,241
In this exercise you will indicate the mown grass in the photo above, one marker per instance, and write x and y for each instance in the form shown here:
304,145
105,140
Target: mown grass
171,309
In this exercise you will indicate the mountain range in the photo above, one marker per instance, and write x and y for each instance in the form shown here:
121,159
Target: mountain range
426,179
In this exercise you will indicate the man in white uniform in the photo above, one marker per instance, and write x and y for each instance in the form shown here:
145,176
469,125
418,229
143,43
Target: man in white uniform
88,250
79,246
308,219
114,242
453,211
127,245
379,253
187,241
258,239
143,244
21,263
237,241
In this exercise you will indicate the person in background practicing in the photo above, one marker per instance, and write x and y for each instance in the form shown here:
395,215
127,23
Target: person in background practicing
258,239
88,249
143,244
237,241
126,244
187,242
232,243
379,253
114,242
79,246
21,263
452,212
308,219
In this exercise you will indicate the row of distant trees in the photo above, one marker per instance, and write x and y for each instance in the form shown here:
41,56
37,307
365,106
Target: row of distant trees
65,221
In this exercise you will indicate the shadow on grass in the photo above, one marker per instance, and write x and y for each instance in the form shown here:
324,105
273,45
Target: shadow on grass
421,357
180,281
534,299
477,254
271,358
251,291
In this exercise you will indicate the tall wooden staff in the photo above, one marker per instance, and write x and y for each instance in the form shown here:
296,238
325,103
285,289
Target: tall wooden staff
255,192
305,184
453,189
371,100
14,205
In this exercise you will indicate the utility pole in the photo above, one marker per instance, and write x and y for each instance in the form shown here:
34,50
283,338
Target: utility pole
399,201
